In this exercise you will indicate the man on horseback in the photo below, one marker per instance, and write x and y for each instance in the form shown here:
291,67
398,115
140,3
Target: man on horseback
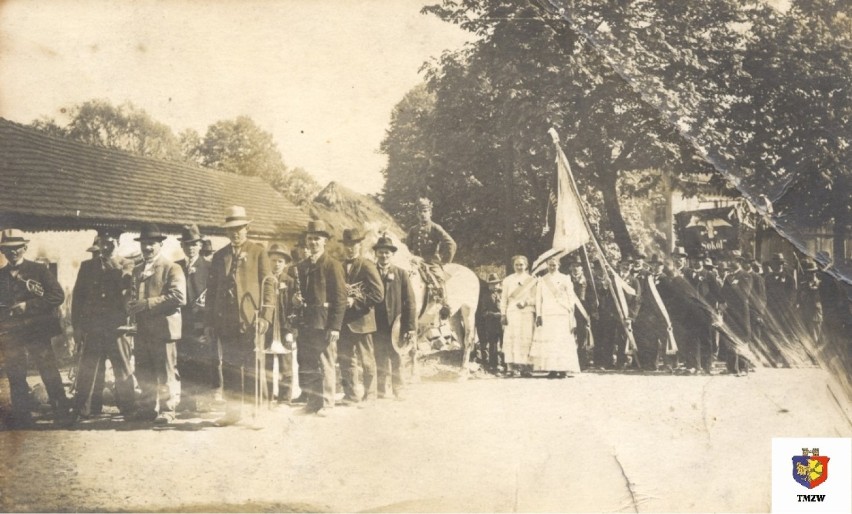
435,246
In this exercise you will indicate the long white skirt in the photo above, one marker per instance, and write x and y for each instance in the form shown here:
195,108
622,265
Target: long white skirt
554,347
518,335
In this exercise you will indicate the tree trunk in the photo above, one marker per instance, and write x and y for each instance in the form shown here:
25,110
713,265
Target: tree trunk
508,208
613,214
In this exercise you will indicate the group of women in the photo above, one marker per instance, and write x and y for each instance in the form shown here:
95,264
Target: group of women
539,321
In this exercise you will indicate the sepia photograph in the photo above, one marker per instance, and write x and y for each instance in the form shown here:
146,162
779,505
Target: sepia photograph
425,256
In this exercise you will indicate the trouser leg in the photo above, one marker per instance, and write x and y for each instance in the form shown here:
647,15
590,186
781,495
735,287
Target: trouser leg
366,352
119,350
146,374
91,360
347,356
312,344
168,386
15,355
328,360
382,348
42,351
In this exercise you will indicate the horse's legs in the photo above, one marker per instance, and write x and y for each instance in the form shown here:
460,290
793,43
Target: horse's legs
464,326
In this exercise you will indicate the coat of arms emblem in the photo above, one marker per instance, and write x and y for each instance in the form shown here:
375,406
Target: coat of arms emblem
810,469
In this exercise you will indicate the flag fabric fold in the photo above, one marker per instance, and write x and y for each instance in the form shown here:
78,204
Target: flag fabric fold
569,227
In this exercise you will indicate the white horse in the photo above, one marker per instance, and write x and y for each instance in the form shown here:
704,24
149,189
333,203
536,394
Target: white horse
461,291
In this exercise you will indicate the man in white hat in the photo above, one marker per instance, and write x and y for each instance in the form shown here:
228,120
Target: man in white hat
29,298
236,290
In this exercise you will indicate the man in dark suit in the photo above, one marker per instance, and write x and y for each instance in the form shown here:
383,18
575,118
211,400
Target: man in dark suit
240,282
158,292
489,324
97,312
323,305
197,372
29,297
356,353
397,308
736,294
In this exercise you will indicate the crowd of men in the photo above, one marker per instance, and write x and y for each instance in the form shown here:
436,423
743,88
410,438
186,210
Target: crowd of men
686,312
188,334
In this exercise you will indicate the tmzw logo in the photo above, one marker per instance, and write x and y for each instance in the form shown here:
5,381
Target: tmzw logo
810,470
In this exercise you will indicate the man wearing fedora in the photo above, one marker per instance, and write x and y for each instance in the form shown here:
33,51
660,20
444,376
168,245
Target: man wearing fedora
158,291
238,286
284,319
323,305
97,312
356,352
397,309
197,371
29,298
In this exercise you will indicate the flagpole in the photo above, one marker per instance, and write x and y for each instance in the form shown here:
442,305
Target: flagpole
601,255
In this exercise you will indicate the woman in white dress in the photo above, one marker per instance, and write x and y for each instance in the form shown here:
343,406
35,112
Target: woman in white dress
554,346
517,309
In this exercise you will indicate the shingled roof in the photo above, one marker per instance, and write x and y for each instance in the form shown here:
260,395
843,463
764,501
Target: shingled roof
50,183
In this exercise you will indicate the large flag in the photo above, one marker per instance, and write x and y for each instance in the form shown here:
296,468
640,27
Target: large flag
569,228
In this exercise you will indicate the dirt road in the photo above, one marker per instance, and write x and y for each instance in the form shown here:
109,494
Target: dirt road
596,442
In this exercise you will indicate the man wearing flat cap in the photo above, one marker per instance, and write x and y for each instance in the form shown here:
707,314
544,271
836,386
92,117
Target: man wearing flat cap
398,309
158,291
29,298
323,305
198,371
356,352
236,290
97,312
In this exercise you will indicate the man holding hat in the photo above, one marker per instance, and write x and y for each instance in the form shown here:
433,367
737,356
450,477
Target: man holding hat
364,291
398,309
29,298
236,290
323,305
158,291
197,371
97,312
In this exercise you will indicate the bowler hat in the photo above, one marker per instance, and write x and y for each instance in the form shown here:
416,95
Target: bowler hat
386,243
778,257
679,251
190,234
737,255
317,227
352,236
235,216
12,238
150,232
810,266
493,278
280,249
708,263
